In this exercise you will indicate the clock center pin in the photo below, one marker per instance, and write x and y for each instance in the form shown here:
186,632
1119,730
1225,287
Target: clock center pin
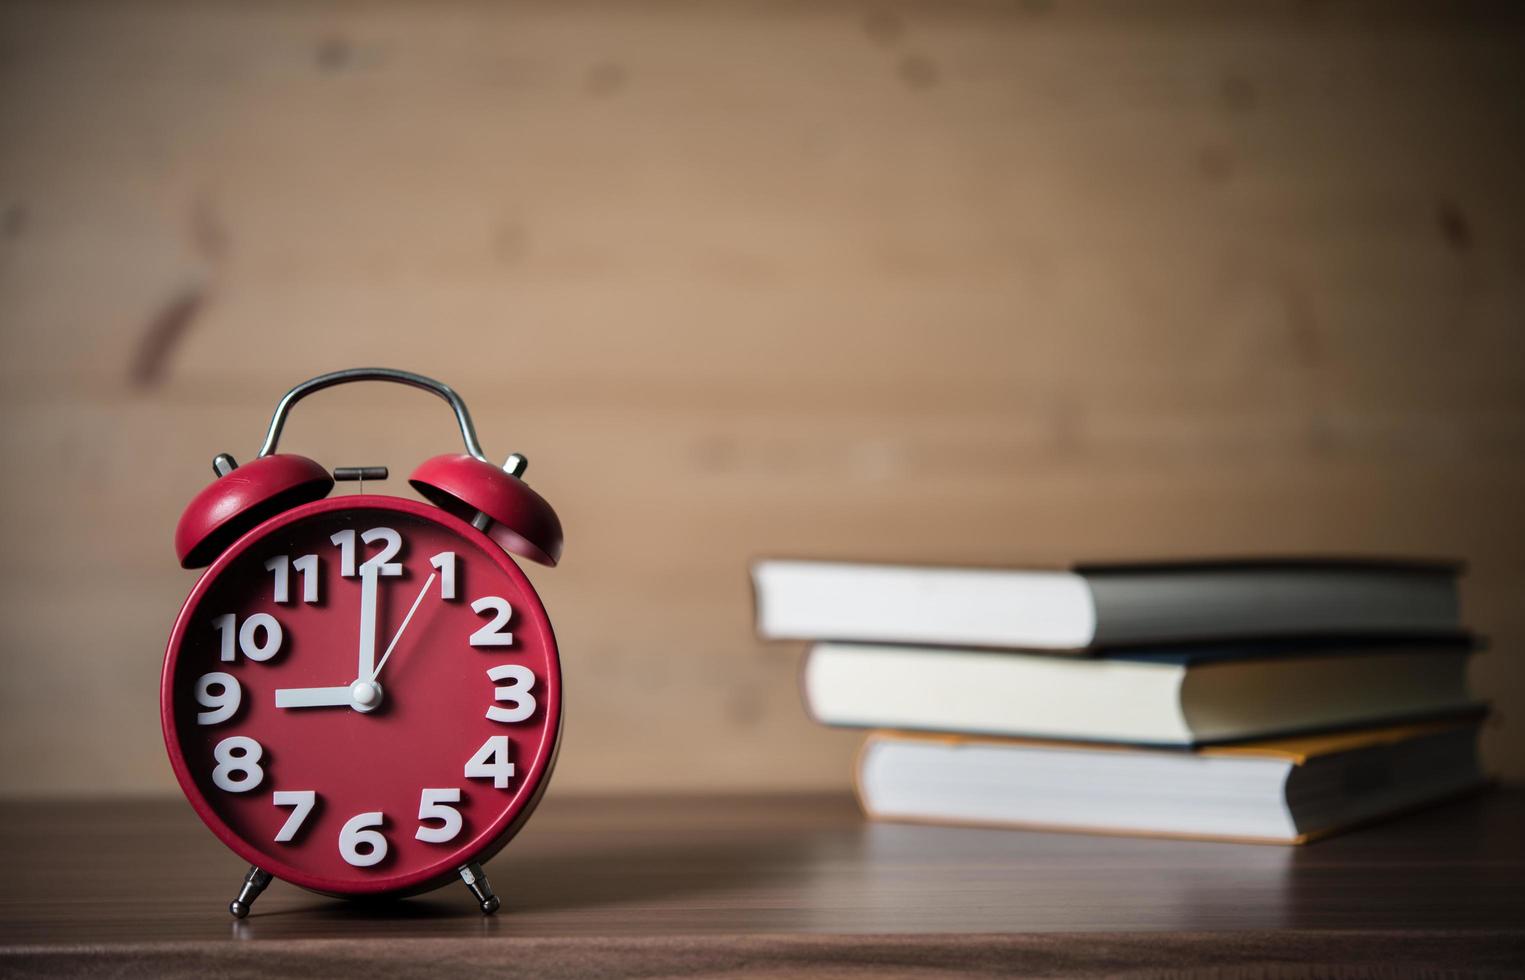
366,695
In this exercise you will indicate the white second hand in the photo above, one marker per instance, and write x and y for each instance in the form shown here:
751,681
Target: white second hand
405,621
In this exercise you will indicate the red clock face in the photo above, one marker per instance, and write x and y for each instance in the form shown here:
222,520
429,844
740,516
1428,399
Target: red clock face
361,695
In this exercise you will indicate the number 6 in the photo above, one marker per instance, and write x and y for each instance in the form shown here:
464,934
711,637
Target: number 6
357,832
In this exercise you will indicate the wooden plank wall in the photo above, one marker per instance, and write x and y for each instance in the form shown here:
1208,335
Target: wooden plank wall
957,282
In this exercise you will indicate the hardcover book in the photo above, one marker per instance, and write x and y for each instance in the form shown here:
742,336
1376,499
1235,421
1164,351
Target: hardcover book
1091,606
1286,791
1166,697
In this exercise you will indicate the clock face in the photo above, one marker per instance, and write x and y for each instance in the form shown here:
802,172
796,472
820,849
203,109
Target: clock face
362,695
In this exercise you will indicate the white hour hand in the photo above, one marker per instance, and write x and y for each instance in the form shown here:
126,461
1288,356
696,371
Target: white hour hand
313,697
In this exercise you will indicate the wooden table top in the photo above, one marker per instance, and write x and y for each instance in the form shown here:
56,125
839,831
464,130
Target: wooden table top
778,883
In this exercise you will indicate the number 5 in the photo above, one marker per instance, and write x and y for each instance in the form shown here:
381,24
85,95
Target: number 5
433,804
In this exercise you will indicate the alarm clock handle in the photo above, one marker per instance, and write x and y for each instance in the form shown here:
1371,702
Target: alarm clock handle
348,375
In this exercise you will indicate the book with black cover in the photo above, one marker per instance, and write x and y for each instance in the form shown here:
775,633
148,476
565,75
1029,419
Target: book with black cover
1162,697
1086,607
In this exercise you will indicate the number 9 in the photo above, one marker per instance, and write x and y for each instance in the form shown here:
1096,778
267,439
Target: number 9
224,703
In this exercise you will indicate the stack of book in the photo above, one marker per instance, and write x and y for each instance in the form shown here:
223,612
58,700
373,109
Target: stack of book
1269,700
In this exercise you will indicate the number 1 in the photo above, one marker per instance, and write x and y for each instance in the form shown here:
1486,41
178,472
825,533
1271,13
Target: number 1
445,562
307,566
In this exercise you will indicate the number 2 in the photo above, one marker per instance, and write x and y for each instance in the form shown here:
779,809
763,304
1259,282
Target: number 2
493,634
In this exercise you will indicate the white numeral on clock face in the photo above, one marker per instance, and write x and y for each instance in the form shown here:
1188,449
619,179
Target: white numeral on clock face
238,769
493,634
307,565
445,562
433,804
345,539
301,801
391,543
222,704
259,638
281,566
357,832
517,692
491,762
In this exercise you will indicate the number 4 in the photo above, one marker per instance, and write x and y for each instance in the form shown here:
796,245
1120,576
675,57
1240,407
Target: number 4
491,762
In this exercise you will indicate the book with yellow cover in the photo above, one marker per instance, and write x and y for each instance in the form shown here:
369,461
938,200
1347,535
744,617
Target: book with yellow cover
1286,791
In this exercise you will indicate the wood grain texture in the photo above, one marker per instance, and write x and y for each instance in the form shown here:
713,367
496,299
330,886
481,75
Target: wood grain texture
1254,956
958,283
721,885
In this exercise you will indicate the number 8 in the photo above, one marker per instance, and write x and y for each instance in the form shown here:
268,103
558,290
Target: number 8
238,769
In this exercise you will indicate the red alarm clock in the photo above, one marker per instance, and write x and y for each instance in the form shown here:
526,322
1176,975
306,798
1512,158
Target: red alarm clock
362,694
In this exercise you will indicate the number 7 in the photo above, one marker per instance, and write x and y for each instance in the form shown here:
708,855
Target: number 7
303,800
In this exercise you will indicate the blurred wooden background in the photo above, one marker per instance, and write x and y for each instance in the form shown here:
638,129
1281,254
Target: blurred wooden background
954,282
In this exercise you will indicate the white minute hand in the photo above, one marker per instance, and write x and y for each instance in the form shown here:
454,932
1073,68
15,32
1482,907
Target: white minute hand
405,621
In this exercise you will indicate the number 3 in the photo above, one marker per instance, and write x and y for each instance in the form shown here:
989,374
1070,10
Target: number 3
517,693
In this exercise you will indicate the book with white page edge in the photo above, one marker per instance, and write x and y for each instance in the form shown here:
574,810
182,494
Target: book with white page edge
1282,791
1161,697
1085,607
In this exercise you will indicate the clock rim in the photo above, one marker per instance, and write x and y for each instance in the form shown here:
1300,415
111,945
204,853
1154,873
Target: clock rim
397,885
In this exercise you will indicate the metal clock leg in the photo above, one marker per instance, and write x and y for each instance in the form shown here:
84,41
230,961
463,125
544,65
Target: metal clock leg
472,875
254,883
